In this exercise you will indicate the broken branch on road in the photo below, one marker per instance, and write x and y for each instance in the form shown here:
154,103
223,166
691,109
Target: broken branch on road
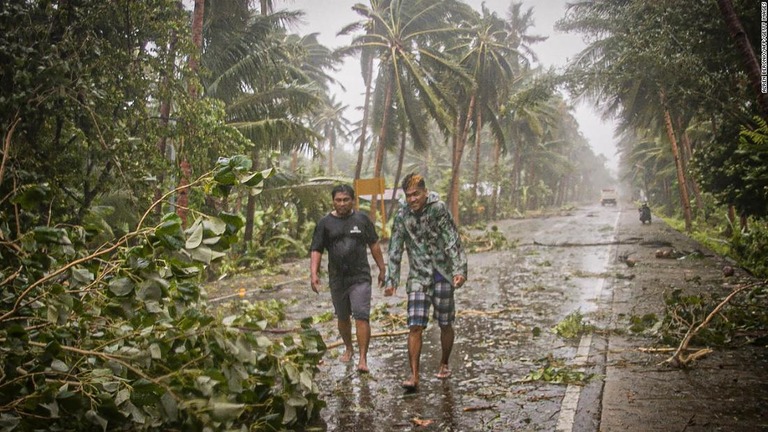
479,408
568,244
679,358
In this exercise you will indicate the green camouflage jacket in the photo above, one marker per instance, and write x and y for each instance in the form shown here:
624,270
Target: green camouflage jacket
432,242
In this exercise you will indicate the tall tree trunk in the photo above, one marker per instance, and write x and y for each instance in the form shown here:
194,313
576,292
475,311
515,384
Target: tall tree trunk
165,112
692,181
748,56
459,142
517,178
682,185
496,179
381,145
265,6
331,148
185,168
367,78
250,206
530,181
475,213
731,216
398,172
197,41
476,175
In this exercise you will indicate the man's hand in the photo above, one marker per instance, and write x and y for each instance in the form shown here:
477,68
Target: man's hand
382,275
459,280
314,281
389,291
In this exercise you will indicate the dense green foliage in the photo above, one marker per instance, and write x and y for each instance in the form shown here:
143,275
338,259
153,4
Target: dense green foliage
103,318
121,336
736,171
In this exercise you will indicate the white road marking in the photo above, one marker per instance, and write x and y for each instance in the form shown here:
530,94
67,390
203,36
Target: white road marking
570,402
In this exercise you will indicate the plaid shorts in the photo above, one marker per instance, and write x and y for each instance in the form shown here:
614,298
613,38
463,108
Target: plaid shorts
442,301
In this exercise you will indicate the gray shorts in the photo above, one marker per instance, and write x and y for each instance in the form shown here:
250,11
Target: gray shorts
354,300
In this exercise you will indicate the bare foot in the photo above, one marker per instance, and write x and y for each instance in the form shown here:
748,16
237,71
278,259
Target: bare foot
347,356
410,385
362,368
444,372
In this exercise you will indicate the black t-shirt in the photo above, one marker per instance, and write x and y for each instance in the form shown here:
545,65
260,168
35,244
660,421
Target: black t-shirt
346,240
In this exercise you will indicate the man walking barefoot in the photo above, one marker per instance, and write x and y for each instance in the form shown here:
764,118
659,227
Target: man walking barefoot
437,266
346,233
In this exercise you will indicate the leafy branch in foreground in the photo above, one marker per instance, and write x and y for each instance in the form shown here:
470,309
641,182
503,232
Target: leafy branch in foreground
122,337
718,325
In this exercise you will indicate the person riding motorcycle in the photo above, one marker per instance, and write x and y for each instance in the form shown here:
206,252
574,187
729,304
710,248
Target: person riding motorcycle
645,213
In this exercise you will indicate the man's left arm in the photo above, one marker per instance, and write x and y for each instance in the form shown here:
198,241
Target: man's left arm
453,250
379,258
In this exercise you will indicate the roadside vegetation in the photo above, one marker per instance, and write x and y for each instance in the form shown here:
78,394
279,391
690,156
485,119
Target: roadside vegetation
148,149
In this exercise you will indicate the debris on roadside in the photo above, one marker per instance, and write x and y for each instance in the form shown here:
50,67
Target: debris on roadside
488,240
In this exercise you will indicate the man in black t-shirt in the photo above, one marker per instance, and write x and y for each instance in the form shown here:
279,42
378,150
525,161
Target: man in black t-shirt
345,234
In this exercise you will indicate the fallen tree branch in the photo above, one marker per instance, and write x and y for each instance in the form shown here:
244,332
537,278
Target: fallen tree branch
475,312
479,408
373,335
246,293
666,349
567,244
679,359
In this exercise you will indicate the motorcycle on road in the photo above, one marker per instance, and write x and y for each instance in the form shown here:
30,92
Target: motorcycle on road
645,213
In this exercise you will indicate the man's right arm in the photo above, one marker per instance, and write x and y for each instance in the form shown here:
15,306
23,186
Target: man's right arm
316,253
314,270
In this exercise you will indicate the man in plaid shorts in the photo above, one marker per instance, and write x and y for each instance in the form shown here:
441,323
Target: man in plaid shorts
437,266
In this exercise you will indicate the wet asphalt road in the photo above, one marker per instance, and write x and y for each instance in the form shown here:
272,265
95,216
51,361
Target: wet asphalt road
507,311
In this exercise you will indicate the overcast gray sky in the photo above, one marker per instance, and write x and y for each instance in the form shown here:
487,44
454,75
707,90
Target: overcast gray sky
327,17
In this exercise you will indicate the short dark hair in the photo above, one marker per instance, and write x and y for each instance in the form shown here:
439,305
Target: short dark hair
343,188
413,180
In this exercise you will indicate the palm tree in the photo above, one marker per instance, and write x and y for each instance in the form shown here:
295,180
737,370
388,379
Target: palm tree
262,76
531,113
484,53
402,33
518,25
329,121
368,54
